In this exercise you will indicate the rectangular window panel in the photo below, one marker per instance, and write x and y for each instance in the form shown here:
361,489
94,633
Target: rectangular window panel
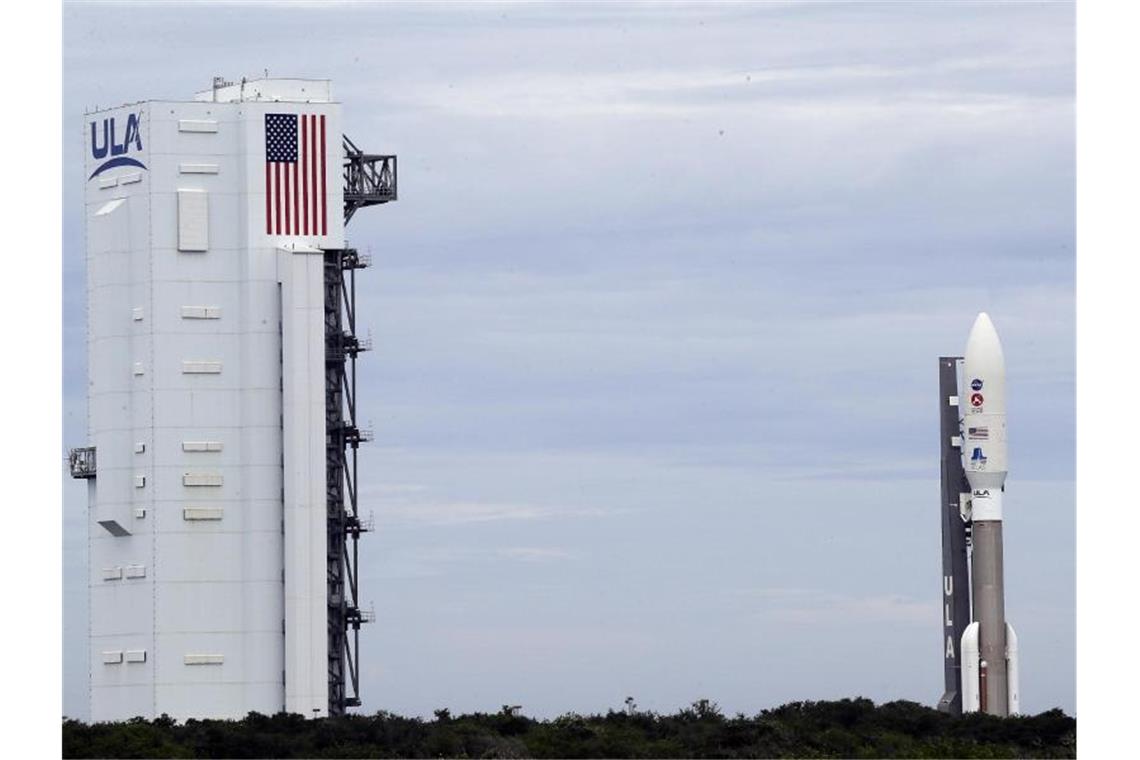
201,368
201,479
201,312
198,168
197,125
193,220
202,513
201,445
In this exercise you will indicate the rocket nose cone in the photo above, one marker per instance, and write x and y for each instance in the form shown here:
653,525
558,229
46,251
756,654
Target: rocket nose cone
983,323
983,343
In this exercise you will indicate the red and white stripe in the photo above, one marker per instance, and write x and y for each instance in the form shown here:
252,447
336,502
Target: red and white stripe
296,199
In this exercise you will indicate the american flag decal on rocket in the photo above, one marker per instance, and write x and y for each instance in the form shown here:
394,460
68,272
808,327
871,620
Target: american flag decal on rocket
295,174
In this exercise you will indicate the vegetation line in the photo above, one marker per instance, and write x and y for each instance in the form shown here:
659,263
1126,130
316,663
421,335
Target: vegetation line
853,728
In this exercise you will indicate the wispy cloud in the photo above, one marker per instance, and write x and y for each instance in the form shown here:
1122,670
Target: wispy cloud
799,606
396,488
535,553
442,561
967,80
458,512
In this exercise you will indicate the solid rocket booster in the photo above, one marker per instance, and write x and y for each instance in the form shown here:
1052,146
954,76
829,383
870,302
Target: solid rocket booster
989,645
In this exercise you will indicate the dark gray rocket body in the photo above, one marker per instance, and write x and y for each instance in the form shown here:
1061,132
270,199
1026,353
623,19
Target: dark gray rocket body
989,610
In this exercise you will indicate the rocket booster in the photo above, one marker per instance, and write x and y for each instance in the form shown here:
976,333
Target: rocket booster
989,644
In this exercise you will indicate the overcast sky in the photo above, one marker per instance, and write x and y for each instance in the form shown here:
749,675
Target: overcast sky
656,321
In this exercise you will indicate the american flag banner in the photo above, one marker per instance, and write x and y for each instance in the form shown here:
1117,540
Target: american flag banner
295,174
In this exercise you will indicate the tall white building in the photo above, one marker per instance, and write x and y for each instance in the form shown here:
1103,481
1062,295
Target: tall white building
218,402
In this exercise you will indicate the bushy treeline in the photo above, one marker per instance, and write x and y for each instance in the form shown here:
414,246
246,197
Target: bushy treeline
846,728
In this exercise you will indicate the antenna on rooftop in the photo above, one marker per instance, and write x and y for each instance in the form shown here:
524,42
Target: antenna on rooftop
219,83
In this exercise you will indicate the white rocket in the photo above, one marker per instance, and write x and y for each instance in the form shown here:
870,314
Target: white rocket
989,644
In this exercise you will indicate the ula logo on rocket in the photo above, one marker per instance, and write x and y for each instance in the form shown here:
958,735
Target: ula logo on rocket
104,140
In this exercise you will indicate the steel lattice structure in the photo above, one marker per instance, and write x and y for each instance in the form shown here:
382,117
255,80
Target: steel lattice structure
369,180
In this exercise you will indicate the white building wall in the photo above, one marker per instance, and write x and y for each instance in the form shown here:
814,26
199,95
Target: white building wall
192,309
306,632
119,414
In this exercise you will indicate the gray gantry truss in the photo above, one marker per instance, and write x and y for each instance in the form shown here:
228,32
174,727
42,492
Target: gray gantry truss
368,180
956,529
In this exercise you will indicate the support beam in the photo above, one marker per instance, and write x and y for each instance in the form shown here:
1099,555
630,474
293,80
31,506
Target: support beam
955,569
369,179
342,440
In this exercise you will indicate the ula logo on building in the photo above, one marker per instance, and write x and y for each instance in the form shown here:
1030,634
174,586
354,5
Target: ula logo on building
105,140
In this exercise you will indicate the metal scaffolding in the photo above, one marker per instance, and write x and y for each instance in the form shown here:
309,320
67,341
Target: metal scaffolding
81,462
369,179
956,535
342,440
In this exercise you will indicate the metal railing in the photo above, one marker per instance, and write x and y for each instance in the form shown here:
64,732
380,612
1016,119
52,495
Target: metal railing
369,179
81,462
